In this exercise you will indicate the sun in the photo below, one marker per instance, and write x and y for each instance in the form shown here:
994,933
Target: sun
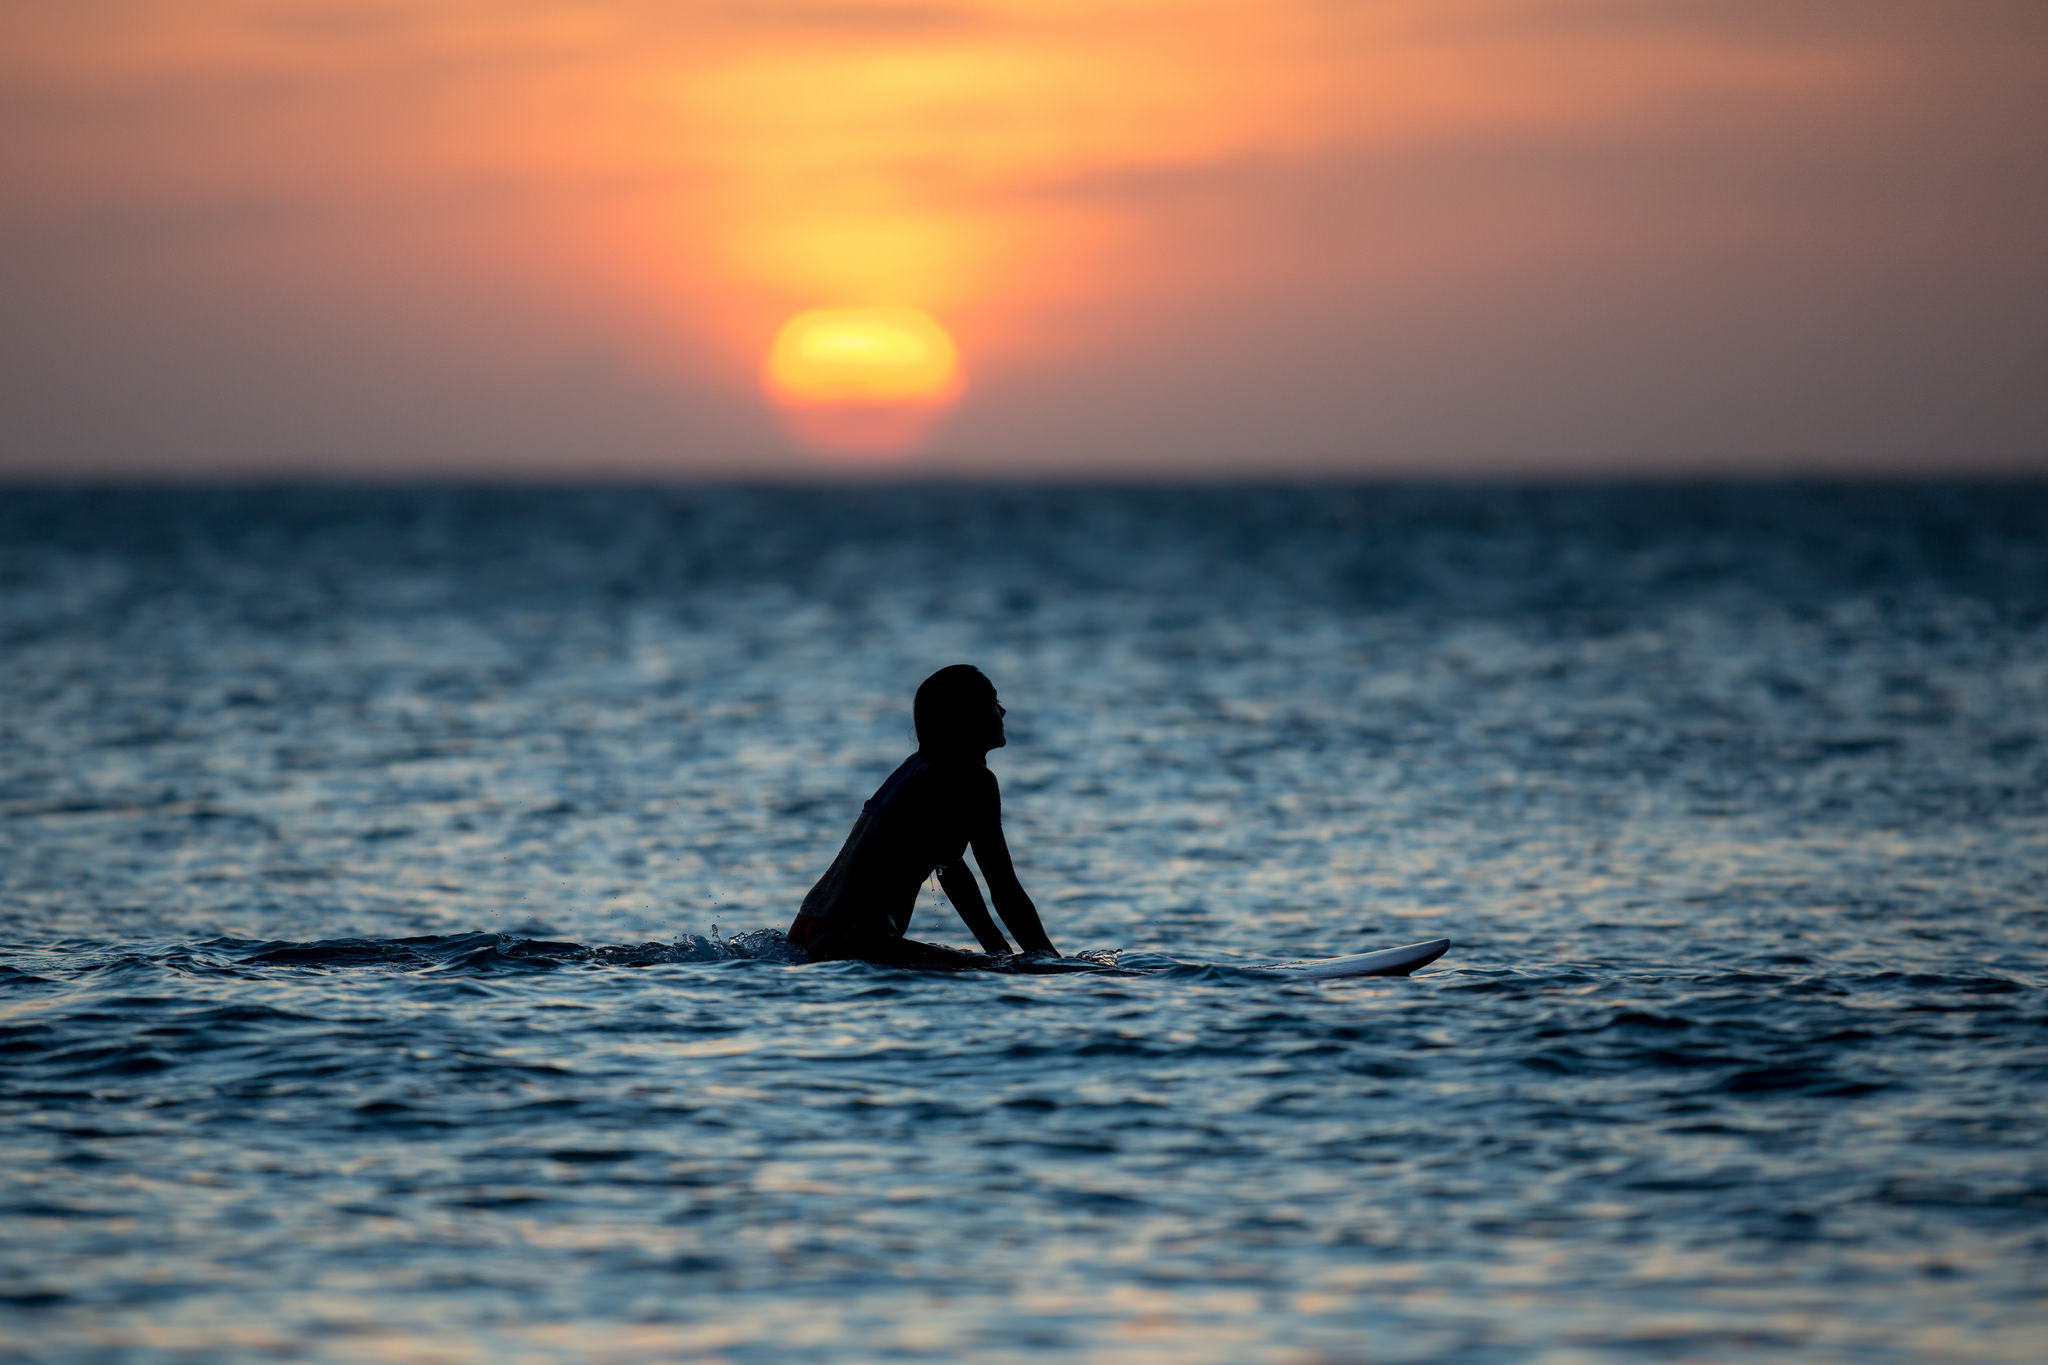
862,382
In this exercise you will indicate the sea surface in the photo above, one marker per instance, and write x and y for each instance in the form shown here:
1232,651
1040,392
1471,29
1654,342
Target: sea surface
390,886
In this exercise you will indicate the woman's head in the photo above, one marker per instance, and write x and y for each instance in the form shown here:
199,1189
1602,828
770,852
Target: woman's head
956,711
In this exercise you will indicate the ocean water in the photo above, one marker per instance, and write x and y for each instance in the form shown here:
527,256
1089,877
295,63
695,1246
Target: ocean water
389,883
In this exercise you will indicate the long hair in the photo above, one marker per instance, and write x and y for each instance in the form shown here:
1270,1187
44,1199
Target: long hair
951,706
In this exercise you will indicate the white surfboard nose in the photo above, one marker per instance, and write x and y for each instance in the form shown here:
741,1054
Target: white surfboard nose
1386,962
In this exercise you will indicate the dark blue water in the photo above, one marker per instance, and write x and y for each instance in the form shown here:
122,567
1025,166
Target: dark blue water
381,879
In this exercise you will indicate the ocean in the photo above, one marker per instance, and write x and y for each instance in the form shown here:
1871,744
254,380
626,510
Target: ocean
391,882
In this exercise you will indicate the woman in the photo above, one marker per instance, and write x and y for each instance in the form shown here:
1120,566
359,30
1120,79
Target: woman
942,799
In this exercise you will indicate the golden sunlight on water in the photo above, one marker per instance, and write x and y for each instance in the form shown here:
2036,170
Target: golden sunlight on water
865,382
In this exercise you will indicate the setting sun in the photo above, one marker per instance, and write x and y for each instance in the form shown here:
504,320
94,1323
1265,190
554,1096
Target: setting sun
862,381
258,237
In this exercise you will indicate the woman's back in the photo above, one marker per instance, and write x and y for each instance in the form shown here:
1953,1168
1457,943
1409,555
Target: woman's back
916,822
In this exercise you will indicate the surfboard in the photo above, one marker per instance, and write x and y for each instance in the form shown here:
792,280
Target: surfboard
1385,962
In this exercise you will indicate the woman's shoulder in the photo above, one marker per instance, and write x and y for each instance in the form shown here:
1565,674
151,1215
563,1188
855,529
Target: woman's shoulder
957,779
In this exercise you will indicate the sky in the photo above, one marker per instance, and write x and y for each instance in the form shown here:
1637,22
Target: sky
559,238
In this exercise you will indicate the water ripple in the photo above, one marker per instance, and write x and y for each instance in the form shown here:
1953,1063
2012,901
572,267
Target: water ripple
390,885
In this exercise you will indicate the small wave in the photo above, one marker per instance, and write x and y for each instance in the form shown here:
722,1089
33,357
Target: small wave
477,952
339,952
1799,1079
494,953
765,945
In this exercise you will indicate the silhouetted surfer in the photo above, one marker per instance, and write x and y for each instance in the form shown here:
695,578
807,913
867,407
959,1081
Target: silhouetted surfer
942,799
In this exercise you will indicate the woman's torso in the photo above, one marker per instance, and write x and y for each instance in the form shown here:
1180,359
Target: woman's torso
917,820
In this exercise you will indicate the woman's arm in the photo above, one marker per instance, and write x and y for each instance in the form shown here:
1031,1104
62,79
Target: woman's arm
960,888
992,852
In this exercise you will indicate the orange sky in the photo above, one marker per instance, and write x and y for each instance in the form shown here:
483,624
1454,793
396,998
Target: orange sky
1258,236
